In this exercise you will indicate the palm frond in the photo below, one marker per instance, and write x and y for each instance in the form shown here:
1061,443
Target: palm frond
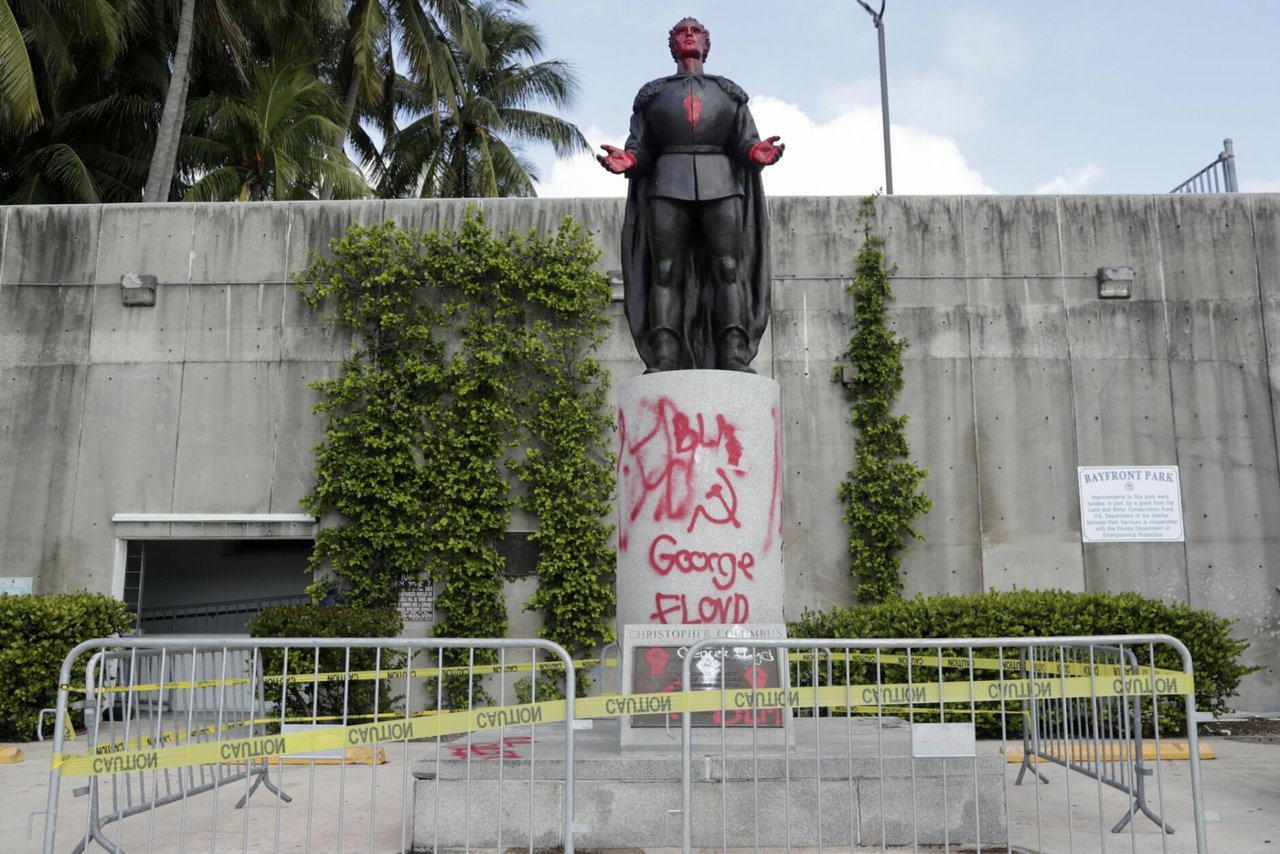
62,166
533,126
19,100
220,185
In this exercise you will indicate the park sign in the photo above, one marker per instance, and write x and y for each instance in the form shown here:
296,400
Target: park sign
1130,504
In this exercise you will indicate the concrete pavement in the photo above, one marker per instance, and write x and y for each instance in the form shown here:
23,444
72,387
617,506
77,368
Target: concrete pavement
1241,799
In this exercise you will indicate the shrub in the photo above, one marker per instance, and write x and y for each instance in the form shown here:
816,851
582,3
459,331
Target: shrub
1043,613
36,633
340,699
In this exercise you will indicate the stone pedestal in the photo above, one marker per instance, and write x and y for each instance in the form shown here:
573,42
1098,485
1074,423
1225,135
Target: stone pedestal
699,499
699,541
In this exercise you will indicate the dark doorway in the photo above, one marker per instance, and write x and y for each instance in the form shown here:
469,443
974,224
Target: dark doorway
211,586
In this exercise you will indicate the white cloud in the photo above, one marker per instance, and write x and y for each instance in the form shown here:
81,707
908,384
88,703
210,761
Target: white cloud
580,176
1076,182
839,157
845,156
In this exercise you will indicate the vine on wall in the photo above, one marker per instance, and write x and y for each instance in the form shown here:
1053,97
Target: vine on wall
882,494
473,355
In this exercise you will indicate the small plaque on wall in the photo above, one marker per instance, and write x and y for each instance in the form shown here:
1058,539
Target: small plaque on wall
417,601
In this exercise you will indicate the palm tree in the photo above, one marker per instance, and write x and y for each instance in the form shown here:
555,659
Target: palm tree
377,32
39,46
464,142
272,143
93,148
96,96
208,34
160,175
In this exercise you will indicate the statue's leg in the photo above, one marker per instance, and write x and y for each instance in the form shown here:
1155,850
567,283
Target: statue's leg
669,225
721,222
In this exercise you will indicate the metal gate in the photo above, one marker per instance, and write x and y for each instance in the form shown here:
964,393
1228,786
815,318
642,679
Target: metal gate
907,744
313,744
429,745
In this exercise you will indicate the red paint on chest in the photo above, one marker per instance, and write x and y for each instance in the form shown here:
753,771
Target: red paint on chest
693,109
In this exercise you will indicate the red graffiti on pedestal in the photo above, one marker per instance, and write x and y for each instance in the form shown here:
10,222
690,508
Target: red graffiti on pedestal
684,609
727,671
657,658
724,570
683,472
758,678
659,472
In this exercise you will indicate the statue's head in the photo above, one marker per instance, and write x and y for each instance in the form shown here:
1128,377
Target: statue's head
685,28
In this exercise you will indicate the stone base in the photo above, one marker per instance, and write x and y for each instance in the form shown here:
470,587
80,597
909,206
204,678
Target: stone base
700,500
625,800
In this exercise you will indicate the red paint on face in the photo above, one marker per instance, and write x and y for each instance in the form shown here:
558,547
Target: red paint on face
693,109
689,39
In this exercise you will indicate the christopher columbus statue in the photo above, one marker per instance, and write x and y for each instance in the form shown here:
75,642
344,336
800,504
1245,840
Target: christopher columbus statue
695,240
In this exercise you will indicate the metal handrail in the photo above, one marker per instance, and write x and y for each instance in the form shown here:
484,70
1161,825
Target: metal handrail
1218,177
228,615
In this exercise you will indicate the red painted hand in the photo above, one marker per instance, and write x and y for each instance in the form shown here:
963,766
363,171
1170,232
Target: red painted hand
767,151
616,160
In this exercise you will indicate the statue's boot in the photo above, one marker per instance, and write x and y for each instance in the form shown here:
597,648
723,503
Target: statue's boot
665,345
664,320
732,352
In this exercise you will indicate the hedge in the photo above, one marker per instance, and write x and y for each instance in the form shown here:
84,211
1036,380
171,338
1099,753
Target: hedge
36,633
338,699
1215,654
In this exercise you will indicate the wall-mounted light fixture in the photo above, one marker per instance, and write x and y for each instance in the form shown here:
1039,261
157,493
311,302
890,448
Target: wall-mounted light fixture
138,289
615,285
1115,282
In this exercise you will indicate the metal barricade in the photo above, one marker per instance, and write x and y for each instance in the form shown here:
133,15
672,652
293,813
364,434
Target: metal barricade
359,744
128,707
908,742
1100,737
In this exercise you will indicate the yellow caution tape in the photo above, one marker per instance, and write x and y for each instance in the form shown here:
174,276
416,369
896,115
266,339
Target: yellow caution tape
348,676
962,662
178,736
242,750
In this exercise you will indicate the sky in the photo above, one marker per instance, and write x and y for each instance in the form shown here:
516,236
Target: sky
985,96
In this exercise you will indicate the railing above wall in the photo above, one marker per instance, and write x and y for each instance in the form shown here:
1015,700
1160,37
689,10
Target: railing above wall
210,617
1218,177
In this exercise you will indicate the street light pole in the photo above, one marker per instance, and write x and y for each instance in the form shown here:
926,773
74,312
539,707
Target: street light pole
877,19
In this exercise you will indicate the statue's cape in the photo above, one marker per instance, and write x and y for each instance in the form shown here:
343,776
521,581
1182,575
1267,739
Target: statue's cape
754,270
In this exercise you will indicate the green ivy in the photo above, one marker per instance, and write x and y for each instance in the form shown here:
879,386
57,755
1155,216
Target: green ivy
473,357
881,495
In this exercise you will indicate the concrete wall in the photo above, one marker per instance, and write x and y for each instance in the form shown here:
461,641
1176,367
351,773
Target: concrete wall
1017,373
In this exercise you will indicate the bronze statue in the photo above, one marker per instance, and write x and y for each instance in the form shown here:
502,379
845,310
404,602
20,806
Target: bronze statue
695,239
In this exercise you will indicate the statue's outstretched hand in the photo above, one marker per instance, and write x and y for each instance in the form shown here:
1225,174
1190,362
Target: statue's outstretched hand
616,160
766,152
